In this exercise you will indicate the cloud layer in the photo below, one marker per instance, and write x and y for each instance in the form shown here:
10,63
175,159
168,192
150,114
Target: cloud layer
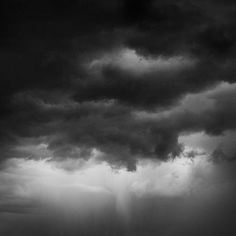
77,75
117,117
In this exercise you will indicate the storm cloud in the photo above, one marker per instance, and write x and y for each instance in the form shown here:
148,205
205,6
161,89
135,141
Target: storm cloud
134,86
75,73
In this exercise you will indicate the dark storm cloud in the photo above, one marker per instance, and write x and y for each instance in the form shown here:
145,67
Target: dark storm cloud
204,28
73,129
154,89
49,96
124,81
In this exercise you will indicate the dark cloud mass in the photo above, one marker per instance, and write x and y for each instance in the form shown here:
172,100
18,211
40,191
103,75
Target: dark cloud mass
62,85
117,117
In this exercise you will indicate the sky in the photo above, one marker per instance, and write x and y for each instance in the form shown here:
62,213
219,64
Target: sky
117,117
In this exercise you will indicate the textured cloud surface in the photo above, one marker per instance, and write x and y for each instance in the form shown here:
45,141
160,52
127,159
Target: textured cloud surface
123,82
76,73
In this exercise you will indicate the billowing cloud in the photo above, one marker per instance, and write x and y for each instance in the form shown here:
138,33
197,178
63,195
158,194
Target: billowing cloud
61,127
75,83
117,117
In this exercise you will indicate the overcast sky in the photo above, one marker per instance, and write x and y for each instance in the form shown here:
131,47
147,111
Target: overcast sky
118,117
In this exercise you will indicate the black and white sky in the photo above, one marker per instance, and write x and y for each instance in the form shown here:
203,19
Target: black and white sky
118,117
